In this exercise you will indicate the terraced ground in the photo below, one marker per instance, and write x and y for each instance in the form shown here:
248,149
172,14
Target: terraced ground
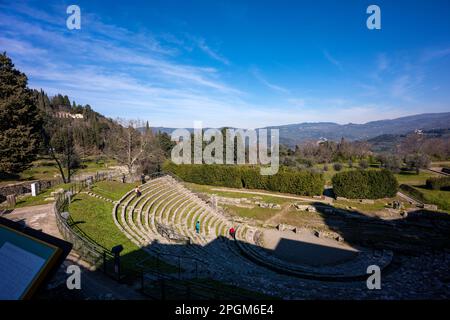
162,222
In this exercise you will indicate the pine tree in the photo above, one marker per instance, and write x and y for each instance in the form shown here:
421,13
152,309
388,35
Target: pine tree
20,122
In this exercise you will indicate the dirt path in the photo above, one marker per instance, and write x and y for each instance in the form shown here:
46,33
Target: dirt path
278,215
437,170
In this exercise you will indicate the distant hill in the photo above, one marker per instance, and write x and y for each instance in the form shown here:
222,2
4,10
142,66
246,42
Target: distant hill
293,134
388,142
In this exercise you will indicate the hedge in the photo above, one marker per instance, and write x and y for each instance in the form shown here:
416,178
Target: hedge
441,183
301,182
365,184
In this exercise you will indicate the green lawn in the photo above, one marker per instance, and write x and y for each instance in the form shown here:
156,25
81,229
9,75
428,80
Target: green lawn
46,168
230,194
440,198
113,190
440,164
365,207
94,217
411,178
258,213
40,169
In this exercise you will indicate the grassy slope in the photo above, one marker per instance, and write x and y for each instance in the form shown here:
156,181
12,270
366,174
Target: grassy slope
113,190
440,198
94,217
411,178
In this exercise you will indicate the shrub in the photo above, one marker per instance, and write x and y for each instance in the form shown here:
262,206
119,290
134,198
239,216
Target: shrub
350,163
441,183
325,167
309,163
301,182
363,164
363,184
337,166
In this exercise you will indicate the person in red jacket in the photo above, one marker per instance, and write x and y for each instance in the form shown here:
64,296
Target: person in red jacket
233,233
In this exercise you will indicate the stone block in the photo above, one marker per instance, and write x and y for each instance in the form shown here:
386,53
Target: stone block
34,189
302,207
432,207
11,200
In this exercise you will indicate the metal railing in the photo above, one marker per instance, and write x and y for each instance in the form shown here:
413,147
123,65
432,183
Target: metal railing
156,283
85,246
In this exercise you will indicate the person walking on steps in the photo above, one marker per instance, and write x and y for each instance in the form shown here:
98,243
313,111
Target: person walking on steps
233,233
197,226
138,192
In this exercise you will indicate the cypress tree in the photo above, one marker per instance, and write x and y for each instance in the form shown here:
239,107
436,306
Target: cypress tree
20,122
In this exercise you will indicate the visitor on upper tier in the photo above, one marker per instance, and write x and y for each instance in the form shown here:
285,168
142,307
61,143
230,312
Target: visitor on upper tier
233,233
197,226
138,192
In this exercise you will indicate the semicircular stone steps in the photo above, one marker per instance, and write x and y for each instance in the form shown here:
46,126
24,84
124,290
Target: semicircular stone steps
166,201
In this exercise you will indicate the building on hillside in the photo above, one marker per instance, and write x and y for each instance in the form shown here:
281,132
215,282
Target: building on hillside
321,140
63,114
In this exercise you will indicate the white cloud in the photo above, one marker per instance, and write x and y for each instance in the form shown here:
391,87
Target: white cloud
332,60
216,56
139,74
432,54
260,78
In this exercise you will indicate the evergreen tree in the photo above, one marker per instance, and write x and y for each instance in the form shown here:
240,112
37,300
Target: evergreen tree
20,122
165,143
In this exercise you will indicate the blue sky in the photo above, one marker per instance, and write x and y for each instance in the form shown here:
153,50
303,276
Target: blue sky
236,63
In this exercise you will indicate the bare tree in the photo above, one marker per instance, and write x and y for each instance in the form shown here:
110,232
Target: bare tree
127,144
58,139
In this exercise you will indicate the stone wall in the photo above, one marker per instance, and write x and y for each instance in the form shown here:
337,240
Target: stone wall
22,188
